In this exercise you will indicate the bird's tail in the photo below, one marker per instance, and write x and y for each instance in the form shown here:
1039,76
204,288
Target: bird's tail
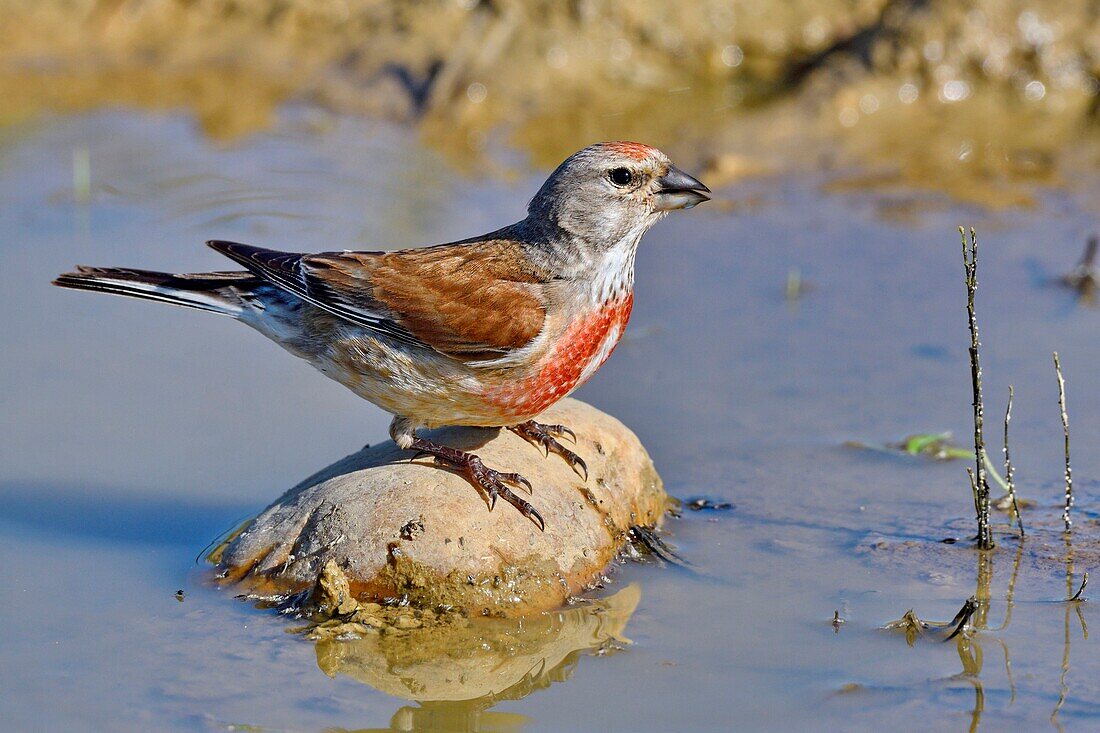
216,292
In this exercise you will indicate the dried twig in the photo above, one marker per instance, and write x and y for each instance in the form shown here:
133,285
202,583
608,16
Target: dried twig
962,618
1077,596
979,481
648,538
1065,432
1088,260
973,488
1085,277
1010,472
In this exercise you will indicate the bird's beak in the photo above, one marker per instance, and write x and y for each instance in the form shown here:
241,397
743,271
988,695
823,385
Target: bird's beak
678,190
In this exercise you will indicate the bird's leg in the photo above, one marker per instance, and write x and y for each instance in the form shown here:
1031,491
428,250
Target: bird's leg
493,483
546,436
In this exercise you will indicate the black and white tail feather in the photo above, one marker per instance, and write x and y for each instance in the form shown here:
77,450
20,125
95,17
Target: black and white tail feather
225,293
276,284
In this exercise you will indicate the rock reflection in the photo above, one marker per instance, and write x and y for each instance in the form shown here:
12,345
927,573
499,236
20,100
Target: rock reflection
457,674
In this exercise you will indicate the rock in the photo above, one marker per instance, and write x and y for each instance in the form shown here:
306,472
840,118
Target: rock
334,591
400,529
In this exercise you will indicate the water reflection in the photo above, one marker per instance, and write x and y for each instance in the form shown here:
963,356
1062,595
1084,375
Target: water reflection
1073,601
457,674
970,646
973,633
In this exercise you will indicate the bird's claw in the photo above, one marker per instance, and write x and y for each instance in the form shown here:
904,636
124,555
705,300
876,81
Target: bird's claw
493,483
518,480
559,431
546,436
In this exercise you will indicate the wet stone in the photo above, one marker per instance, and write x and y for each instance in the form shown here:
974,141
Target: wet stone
409,533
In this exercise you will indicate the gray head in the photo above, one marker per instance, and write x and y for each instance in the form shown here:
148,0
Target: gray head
615,191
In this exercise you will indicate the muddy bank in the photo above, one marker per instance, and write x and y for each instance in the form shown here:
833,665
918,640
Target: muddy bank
976,99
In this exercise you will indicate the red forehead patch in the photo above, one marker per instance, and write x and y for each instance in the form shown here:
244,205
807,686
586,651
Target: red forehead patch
637,151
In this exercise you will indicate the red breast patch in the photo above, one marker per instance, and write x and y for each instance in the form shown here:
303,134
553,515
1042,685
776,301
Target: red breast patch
581,350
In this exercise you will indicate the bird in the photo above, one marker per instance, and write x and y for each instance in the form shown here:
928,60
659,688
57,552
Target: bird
487,331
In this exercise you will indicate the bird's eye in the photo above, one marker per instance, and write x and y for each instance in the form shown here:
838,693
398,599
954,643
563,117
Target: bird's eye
620,176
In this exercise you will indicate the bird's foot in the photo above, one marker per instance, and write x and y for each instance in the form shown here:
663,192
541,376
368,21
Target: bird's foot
546,436
493,483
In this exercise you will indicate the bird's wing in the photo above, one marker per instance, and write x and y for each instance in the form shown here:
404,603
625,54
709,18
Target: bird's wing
467,301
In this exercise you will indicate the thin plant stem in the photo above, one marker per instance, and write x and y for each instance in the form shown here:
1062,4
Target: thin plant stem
979,481
1077,596
1065,433
1010,471
974,490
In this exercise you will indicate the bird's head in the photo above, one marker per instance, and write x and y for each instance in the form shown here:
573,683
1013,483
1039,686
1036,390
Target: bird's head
613,191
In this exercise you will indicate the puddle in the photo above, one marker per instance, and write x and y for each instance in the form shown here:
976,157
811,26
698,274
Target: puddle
133,434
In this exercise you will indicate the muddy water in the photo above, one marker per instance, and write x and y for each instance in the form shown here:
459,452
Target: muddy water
132,434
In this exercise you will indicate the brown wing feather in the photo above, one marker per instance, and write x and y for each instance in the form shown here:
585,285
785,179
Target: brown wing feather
467,301
471,300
